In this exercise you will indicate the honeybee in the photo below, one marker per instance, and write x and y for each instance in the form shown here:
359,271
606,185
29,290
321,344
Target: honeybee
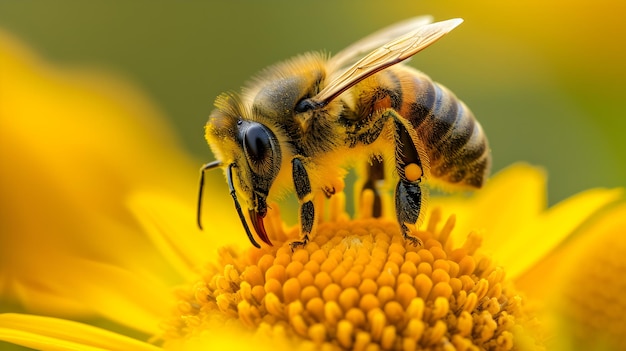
290,127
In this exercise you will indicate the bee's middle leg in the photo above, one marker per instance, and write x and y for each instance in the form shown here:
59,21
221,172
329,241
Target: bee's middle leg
408,195
302,186
375,174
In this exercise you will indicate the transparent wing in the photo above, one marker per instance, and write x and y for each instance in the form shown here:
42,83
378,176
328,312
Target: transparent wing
385,56
353,52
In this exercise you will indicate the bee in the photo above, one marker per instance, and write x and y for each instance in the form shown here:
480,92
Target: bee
292,128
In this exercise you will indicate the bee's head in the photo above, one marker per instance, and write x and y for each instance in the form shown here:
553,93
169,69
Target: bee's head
251,155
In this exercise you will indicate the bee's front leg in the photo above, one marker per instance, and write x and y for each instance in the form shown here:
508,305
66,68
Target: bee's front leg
408,196
302,185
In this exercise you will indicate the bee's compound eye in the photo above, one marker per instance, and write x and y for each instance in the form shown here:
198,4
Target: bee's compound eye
257,143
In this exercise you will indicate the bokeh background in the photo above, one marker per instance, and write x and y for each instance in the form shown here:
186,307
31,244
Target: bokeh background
545,79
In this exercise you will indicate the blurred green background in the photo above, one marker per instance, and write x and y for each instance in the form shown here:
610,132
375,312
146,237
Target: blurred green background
545,79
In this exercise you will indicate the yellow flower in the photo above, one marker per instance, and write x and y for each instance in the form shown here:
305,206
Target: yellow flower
97,220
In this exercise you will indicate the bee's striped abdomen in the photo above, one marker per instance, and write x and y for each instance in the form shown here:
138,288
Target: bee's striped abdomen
457,148
454,141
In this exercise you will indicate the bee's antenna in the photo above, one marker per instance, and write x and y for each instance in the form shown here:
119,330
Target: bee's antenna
231,188
203,169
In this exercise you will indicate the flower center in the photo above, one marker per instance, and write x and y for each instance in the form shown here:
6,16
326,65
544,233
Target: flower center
358,283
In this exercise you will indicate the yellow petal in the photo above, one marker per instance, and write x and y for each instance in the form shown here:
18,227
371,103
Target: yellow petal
171,225
581,285
512,214
531,242
72,145
44,333
128,298
510,198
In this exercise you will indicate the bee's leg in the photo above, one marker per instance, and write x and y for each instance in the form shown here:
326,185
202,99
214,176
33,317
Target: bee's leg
408,196
375,173
305,197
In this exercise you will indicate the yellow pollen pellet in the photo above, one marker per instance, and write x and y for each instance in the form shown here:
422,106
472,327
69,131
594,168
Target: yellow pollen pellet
412,172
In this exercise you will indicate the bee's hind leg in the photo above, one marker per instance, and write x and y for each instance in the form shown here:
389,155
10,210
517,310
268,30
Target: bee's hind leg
408,195
302,186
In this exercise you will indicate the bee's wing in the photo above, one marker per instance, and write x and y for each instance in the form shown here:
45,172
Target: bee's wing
385,56
355,51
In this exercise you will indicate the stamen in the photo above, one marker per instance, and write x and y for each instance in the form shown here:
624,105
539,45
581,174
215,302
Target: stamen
358,284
